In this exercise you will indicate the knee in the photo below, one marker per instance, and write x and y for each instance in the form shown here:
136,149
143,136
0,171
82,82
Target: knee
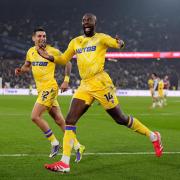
70,120
34,118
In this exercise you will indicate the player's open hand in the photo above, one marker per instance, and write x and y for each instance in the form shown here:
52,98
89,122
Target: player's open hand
64,86
17,71
43,53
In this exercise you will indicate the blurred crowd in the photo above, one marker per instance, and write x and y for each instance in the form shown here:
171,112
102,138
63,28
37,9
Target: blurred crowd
152,33
126,74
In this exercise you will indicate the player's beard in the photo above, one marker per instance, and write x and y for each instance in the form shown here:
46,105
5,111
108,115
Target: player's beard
89,31
42,44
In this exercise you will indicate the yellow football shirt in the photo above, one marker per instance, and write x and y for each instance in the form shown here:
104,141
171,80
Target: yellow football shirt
160,85
42,69
150,83
90,53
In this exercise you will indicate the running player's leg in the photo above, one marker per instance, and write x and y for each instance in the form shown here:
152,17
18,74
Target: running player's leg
108,99
36,117
77,109
134,124
57,115
155,99
45,102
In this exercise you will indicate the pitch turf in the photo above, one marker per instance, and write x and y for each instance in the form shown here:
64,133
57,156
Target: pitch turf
98,132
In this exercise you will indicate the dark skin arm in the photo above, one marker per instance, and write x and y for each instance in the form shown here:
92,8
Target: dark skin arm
43,53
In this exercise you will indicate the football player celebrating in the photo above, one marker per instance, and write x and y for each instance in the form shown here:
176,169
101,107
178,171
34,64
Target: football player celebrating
150,85
90,50
47,87
161,92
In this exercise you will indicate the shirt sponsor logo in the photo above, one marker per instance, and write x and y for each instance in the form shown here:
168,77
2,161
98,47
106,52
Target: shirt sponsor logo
40,63
86,49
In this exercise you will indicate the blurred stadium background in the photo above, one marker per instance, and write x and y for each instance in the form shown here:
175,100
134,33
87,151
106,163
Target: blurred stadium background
145,26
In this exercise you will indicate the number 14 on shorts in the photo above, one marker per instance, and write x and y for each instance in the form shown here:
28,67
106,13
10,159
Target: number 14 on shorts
109,97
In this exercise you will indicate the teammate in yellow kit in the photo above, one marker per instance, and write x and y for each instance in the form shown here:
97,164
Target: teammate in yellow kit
47,87
150,85
161,92
90,50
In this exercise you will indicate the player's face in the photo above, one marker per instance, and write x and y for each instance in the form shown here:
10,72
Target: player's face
166,77
152,76
89,23
39,38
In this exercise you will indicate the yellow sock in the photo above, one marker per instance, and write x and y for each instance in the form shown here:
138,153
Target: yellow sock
51,137
137,126
76,144
68,140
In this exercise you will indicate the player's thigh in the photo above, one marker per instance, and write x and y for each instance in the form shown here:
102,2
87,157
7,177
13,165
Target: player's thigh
160,93
38,110
155,95
48,97
151,92
77,108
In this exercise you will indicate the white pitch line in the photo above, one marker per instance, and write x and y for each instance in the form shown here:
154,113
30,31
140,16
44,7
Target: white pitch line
88,154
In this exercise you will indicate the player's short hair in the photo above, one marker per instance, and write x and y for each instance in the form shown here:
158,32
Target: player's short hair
38,29
91,14
154,74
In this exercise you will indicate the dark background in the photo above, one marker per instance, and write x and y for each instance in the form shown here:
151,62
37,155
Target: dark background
144,26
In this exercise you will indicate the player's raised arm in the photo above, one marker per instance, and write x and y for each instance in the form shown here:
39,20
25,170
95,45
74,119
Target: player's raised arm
64,86
26,67
43,53
60,58
113,42
67,55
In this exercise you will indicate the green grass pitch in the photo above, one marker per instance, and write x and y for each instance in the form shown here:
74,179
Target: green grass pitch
99,133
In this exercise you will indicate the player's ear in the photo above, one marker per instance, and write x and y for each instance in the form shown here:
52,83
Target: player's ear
95,20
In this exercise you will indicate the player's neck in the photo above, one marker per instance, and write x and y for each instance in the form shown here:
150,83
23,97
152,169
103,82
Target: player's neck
90,35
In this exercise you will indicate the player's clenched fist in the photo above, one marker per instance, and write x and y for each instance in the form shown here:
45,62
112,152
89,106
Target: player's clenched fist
17,71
